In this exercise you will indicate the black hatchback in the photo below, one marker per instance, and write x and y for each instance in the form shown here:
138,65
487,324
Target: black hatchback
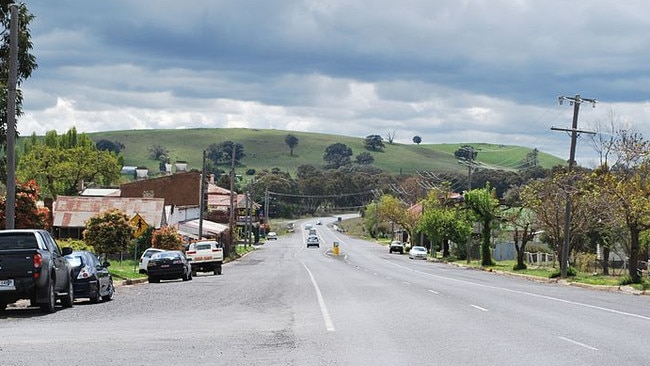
91,278
168,265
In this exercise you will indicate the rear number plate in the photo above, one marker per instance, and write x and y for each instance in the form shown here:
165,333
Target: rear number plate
164,266
6,283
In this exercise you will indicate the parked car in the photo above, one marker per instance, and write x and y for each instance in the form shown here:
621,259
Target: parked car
205,256
312,240
144,258
272,235
396,246
418,253
91,278
168,265
33,267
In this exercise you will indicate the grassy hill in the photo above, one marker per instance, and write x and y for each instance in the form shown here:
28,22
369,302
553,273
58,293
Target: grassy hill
266,149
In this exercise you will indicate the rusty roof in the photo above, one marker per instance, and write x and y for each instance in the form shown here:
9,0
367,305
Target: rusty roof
74,211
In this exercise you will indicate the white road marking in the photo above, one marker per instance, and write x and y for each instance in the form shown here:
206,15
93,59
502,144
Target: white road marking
321,302
406,283
551,298
579,344
478,307
434,292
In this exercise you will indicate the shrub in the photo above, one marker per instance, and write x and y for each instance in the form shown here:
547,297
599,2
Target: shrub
570,272
583,261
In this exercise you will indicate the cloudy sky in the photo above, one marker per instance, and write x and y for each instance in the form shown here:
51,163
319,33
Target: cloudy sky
448,71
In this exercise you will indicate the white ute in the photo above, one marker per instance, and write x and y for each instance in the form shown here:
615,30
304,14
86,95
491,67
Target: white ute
205,256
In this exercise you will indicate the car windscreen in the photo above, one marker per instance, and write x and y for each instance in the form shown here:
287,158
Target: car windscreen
74,260
202,246
18,241
166,255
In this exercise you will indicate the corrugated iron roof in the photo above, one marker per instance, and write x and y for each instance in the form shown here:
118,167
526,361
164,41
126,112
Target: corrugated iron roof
74,211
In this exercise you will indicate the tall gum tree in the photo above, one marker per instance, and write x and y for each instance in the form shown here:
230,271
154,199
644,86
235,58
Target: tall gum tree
484,204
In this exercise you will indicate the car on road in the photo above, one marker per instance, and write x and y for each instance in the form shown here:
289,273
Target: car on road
308,226
168,265
205,256
312,241
144,258
91,278
418,252
396,246
318,222
272,235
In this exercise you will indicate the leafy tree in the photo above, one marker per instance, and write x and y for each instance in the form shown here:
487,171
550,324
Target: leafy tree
61,170
166,238
484,204
466,153
417,139
221,153
113,146
26,65
28,214
337,155
374,143
365,158
631,193
109,232
292,142
531,160
442,223
391,208
157,152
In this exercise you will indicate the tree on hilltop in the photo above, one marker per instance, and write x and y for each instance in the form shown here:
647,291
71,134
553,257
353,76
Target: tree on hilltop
292,142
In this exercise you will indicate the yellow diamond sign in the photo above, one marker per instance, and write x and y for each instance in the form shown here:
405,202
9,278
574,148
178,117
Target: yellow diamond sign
138,224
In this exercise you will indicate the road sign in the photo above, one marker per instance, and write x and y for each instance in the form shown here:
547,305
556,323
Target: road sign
138,224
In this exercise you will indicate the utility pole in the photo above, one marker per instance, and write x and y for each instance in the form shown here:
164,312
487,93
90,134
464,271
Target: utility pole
231,221
10,203
203,188
470,166
575,102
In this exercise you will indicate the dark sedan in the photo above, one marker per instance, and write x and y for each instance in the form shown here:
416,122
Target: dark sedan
168,265
91,278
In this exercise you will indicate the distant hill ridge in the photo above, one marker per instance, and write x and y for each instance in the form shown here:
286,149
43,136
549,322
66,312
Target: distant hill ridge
266,149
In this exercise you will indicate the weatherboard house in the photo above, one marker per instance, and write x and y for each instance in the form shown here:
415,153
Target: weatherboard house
70,213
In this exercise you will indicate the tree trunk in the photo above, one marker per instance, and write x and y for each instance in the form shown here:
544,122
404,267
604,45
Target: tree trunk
445,248
634,255
486,255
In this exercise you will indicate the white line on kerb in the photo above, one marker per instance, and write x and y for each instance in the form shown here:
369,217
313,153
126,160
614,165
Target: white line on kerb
323,309
578,343
478,307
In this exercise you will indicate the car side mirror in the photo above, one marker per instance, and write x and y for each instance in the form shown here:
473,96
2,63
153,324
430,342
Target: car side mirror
66,251
106,264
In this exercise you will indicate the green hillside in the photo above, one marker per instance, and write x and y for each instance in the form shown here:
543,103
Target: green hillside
266,149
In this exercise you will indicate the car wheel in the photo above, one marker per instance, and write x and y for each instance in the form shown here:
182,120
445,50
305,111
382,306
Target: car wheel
193,272
3,306
111,291
191,276
153,280
50,306
68,300
94,297
218,271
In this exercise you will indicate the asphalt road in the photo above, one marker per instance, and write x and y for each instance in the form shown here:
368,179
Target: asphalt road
285,304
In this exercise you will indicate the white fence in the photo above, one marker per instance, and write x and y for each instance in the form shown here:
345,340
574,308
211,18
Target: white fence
540,258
